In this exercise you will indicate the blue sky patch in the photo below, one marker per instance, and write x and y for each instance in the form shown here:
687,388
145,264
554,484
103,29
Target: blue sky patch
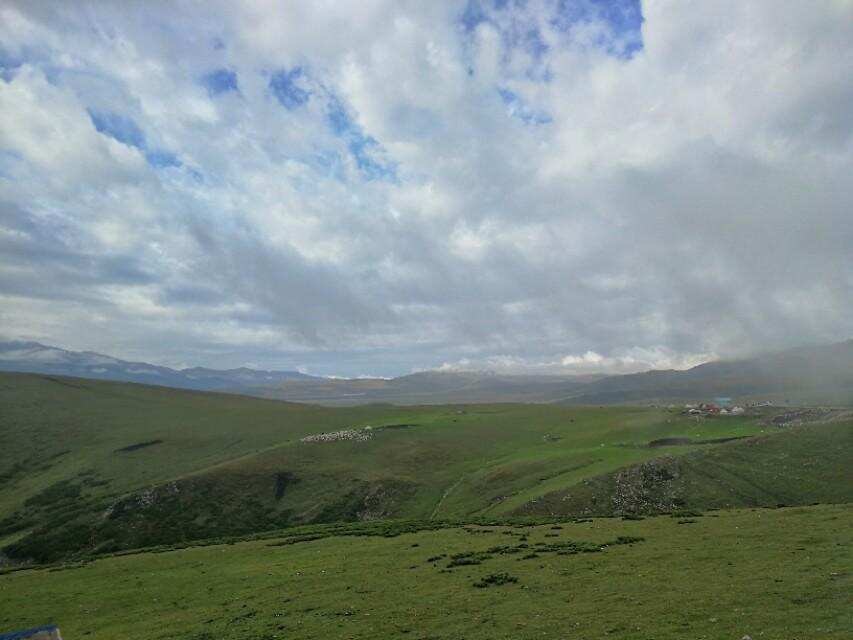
8,66
624,17
363,148
518,108
125,130
285,87
160,159
220,81
338,119
119,127
473,15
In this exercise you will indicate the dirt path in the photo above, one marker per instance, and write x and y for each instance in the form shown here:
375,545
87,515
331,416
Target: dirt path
446,493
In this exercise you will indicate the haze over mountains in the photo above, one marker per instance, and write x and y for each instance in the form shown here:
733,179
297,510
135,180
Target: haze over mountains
39,358
815,374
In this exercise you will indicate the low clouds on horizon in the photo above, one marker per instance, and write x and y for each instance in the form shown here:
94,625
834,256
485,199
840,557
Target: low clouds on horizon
377,187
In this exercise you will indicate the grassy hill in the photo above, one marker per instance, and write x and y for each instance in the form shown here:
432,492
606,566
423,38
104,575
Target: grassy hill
798,465
102,465
54,428
782,573
91,466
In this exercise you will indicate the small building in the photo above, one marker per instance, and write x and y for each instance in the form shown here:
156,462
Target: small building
49,632
723,401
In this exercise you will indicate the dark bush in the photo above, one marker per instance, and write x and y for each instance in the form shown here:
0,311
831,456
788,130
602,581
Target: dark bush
495,580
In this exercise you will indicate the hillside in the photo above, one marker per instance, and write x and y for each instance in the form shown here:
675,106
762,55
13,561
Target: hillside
802,464
90,466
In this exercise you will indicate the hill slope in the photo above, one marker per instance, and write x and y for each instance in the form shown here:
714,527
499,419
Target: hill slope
798,465
89,466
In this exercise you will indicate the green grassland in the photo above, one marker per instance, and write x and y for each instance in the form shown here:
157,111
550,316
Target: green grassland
89,466
780,573
193,515
798,465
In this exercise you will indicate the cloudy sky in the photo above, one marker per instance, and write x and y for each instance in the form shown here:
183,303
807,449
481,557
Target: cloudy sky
375,187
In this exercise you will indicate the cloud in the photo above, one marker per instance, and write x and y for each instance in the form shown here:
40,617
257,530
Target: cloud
568,185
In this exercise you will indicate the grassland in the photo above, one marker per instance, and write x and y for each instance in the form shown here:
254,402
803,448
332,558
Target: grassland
797,465
455,521
783,573
89,466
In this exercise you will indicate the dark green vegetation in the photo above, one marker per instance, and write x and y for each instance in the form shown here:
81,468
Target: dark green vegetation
89,467
781,573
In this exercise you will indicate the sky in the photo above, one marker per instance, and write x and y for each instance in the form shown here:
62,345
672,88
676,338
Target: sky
378,187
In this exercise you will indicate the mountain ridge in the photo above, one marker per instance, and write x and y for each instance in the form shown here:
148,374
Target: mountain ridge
821,374
35,357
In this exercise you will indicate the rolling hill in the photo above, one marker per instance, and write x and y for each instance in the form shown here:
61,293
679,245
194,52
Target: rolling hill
92,466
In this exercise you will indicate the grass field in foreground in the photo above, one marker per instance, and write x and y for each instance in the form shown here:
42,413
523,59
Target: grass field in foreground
774,574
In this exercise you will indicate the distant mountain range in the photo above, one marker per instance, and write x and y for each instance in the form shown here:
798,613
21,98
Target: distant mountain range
430,387
816,374
39,358
804,375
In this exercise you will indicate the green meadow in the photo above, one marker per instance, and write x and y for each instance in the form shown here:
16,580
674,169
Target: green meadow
780,573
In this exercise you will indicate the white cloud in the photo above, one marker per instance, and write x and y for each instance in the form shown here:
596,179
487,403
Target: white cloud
691,198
